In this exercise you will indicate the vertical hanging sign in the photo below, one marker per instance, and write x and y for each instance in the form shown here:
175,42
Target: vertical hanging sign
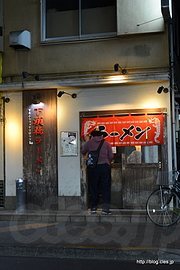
40,148
36,132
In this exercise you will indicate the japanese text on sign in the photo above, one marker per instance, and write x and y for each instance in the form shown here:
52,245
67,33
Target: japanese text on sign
38,123
127,130
35,134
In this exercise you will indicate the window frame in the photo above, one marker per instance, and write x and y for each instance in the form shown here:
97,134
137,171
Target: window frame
122,151
80,37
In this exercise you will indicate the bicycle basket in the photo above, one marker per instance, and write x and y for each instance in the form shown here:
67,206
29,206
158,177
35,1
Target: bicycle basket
165,178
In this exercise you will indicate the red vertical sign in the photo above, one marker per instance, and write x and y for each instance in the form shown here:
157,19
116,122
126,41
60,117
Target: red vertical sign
38,123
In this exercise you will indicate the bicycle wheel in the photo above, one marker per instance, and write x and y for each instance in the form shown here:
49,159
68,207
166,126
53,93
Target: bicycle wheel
163,207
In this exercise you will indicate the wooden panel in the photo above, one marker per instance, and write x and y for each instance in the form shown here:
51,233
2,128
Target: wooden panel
116,187
139,182
122,112
39,149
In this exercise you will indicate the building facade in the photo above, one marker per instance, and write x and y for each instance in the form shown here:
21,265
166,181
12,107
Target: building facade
69,66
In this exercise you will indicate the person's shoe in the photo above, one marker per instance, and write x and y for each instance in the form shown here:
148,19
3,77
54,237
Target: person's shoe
106,212
93,210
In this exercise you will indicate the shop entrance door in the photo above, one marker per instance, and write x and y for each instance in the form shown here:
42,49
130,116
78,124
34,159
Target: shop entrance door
133,180
134,176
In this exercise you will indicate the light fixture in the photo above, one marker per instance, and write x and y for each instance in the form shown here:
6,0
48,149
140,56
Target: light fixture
3,99
62,93
36,98
123,70
162,88
6,99
25,74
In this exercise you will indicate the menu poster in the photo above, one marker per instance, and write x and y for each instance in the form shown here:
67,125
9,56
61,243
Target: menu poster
68,143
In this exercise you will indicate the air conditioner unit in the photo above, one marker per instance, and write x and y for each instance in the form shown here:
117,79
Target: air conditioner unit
20,40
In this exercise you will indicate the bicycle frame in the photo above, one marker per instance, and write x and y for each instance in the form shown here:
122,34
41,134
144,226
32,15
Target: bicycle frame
168,201
163,204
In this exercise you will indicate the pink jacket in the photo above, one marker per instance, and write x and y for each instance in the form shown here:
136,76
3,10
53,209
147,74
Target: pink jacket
105,155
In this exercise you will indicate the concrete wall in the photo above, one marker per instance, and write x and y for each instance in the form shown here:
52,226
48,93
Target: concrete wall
13,139
134,51
147,19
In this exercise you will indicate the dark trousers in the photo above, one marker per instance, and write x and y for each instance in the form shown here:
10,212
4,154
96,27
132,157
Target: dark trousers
100,174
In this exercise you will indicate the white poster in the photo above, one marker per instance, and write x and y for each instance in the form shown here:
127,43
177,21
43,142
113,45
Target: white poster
68,143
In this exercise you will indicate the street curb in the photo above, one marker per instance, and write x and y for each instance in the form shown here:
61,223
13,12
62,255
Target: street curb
117,217
140,255
76,252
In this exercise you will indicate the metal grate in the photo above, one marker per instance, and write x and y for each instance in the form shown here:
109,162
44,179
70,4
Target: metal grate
1,193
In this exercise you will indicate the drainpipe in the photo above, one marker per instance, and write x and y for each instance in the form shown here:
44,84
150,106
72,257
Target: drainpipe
4,149
172,90
4,101
165,8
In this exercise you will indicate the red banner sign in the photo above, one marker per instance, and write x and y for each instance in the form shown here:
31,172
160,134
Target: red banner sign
127,130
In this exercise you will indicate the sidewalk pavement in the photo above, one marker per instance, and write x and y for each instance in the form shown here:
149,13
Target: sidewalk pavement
124,235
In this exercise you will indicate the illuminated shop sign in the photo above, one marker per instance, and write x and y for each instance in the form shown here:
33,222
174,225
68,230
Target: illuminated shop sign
127,130
36,132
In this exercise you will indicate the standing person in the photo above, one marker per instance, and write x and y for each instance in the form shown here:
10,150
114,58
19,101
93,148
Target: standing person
102,172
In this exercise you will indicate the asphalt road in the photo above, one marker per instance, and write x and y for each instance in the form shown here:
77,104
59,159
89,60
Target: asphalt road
19,263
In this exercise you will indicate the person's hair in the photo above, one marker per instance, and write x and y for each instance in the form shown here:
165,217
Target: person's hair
96,133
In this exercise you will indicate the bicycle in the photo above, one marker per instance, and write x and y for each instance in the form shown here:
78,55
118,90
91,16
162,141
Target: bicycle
163,204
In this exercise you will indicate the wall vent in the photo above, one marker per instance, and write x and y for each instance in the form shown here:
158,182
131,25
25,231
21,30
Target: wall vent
20,40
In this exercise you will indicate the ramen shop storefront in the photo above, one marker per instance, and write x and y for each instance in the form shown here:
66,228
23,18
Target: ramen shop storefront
137,139
134,119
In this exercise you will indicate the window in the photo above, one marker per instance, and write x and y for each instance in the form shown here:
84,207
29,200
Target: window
68,19
142,154
137,154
